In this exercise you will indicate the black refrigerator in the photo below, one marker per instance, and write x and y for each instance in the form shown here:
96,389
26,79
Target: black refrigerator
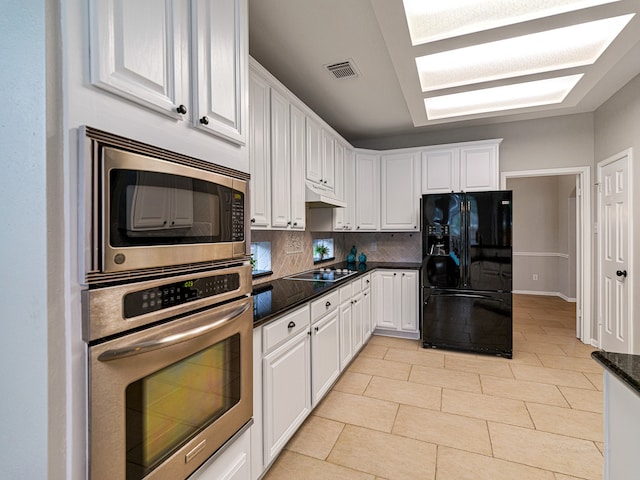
466,272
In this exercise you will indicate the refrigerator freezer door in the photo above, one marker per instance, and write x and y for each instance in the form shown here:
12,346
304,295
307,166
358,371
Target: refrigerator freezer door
468,320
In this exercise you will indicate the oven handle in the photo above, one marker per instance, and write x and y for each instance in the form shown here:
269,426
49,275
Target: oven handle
143,347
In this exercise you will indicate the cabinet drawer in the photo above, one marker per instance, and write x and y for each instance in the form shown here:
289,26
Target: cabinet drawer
366,281
324,305
286,327
346,292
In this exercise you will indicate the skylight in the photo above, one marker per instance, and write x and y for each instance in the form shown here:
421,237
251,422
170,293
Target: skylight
508,97
431,20
567,47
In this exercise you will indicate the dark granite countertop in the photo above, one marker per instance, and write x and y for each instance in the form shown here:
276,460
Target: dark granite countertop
623,365
276,298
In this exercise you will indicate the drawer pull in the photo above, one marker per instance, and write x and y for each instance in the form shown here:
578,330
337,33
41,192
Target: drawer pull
291,325
328,304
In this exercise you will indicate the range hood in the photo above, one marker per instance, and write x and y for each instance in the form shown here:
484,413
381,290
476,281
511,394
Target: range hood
318,197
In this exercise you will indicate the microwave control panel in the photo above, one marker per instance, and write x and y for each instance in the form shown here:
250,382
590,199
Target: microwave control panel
237,217
176,293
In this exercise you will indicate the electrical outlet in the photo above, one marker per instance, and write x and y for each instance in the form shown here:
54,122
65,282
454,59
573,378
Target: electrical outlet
535,276
373,247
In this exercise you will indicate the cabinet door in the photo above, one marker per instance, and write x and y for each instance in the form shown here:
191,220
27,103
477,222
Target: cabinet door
441,171
287,395
139,51
328,160
386,292
298,155
367,320
325,355
358,319
280,162
219,69
367,184
346,342
338,158
479,168
409,301
260,151
314,151
344,218
400,193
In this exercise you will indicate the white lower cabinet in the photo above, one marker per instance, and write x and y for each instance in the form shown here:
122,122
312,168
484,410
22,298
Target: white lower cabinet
325,355
396,304
234,463
367,320
286,379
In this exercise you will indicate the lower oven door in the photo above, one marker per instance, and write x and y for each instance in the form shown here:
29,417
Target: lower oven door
162,400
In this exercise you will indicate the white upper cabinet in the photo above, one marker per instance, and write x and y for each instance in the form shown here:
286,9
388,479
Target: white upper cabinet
344,218
320,155
298,155
219,70
140,51
441,171
400,192
367,183
260,151
468,167
280,161
479,167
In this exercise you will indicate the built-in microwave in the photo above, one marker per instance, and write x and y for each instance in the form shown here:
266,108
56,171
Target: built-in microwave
146,210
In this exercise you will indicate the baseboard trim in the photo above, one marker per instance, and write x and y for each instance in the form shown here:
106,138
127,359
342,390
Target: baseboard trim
545,294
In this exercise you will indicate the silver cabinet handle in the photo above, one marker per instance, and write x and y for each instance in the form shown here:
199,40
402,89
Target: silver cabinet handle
143,347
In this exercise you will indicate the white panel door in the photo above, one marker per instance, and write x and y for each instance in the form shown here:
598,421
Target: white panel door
441,171
479,168
325,355
367,192
613,237
219,69
400,193
260,151
280,162
298,156
139,51
314,152
409,301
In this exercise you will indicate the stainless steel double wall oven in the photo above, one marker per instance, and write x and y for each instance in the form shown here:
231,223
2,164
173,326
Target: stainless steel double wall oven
167,312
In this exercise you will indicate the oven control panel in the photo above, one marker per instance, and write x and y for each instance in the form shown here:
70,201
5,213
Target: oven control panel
176,293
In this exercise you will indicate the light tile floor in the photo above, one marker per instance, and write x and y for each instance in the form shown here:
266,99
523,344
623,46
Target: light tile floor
402,412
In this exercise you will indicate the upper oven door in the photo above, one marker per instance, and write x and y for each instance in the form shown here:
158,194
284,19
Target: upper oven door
157,213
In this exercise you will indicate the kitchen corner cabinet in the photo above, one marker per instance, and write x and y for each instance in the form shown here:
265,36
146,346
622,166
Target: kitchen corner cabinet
468,167
396,300
286,370
400,192
140,51
367,184
325,345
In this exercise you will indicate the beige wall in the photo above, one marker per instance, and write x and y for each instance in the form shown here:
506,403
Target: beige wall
617,128
541,233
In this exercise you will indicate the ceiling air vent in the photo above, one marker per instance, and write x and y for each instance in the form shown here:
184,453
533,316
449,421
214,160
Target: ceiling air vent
345,69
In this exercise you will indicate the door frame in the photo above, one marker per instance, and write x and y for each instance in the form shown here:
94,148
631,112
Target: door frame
628,153
584,253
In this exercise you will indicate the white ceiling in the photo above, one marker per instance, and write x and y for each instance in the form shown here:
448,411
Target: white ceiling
296,39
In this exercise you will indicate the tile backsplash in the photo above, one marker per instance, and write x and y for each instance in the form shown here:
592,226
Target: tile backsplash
292,251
